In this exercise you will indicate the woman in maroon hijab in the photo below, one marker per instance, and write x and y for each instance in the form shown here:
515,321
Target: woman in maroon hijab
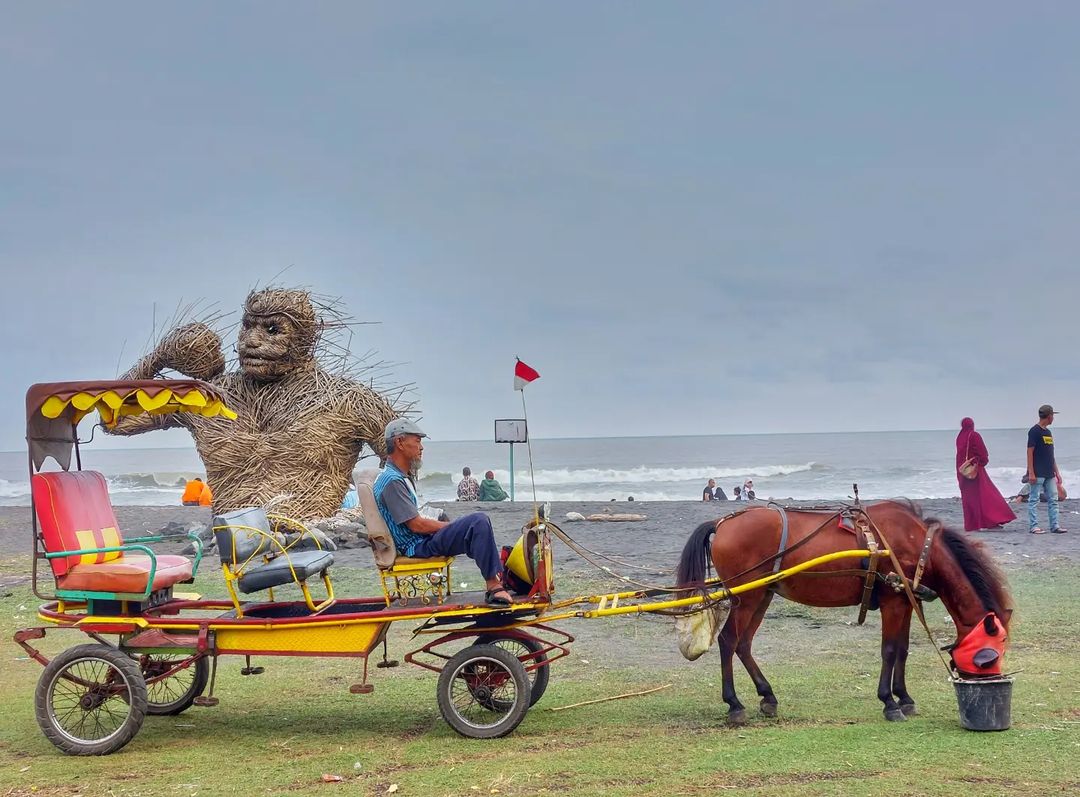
984,508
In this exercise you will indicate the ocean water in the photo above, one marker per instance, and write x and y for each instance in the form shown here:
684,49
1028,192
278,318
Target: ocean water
800,466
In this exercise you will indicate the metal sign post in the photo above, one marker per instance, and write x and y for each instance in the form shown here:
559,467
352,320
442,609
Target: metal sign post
511,430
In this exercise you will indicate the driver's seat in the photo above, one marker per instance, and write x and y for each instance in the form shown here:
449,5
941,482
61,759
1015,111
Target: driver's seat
402,577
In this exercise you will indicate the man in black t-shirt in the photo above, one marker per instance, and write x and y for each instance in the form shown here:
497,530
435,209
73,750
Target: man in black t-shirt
707,493
1041,468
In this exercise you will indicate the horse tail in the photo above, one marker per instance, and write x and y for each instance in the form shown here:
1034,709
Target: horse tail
695,556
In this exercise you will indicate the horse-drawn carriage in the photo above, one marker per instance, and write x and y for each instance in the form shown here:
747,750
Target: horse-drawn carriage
155,649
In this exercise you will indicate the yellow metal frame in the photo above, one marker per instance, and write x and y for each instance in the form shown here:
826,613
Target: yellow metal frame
232,573
414,580
334,634
608,605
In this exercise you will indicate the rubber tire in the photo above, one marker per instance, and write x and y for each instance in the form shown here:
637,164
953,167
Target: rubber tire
514,715
136,699
182,703
538,678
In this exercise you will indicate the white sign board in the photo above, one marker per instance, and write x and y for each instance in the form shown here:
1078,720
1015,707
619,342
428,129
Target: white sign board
511,430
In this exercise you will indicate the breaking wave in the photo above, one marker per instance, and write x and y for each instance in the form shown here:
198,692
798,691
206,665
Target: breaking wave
647,475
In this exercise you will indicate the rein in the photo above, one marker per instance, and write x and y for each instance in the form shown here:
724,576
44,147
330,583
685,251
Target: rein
909,586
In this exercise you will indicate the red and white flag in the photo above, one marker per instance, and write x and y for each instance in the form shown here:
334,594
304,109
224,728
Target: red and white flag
523,374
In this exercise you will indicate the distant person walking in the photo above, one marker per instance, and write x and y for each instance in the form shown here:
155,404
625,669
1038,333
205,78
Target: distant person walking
468,489
1042,467
984,506
491,490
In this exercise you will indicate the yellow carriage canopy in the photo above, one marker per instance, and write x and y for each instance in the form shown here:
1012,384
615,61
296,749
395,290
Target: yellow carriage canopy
54,409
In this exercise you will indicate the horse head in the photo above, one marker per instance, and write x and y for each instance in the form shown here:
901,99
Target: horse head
976,594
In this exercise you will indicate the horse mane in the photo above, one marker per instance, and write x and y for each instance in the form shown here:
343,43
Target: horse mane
974,560
981,570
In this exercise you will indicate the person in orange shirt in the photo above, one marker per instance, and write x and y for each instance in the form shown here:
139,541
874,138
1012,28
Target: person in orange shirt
197,493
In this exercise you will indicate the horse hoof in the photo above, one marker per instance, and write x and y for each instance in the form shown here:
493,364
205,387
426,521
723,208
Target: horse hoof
909,709
895,715
736,717
768,709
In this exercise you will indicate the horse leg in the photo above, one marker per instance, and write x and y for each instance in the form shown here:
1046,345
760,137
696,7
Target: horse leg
895,622
899,681
743,651
728,639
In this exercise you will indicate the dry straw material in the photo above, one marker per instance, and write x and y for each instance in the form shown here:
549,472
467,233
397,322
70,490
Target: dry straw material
307,407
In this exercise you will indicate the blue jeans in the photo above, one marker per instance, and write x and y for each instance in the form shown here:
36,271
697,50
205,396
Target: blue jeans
1048,483
471,535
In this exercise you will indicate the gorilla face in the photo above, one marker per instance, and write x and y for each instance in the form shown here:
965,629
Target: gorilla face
270,346
277,335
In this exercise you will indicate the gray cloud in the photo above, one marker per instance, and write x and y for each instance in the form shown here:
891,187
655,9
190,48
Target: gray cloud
722,219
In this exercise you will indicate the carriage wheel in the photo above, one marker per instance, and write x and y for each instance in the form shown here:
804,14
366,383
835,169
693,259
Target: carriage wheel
483,692
174,694
90,700
527,651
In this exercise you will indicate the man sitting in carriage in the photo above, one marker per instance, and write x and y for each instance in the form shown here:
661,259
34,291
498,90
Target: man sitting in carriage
416,536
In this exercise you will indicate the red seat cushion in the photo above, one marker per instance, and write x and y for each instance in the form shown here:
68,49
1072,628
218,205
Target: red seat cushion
75,513
126,574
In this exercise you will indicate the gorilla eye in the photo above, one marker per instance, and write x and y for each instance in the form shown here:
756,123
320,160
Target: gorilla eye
273,329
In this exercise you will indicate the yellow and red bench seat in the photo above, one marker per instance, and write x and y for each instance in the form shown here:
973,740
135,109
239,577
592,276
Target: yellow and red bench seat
75,514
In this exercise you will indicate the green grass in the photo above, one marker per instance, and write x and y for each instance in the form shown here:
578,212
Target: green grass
282,731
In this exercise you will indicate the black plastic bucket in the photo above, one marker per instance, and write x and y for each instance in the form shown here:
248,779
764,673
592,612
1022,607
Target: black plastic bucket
985,705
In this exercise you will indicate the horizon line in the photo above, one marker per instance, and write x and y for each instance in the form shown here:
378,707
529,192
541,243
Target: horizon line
615,437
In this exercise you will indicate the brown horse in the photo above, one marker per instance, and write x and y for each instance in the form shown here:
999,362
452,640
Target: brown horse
744,547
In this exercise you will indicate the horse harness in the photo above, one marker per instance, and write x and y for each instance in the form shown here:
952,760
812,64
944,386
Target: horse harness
854,519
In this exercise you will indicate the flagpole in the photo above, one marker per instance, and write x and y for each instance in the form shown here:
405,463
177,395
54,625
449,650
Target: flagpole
528,445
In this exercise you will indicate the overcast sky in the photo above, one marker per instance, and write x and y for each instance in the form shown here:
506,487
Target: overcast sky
690,218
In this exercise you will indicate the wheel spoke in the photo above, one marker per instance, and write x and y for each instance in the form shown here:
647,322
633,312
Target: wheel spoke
90,713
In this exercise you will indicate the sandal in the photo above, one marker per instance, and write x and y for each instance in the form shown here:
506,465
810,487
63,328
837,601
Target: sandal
493,598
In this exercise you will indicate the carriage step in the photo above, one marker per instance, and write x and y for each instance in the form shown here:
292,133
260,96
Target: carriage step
362,689
388,663
206,702
252,670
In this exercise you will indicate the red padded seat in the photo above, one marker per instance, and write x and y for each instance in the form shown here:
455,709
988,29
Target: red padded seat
127,574
75,513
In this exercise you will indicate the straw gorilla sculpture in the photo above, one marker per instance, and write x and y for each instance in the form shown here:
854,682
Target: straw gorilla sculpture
300,427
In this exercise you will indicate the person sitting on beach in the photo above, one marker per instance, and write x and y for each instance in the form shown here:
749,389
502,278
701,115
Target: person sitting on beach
197,493
709,492
468,489
1025,490
719,494
748,490
418,537
737,492
490,489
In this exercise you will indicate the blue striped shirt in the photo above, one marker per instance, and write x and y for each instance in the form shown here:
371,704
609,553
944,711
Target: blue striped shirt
404,540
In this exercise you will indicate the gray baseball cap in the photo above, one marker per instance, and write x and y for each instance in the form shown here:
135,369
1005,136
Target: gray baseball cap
1045,411
399,427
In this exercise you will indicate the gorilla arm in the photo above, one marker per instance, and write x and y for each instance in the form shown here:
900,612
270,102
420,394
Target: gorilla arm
193,350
